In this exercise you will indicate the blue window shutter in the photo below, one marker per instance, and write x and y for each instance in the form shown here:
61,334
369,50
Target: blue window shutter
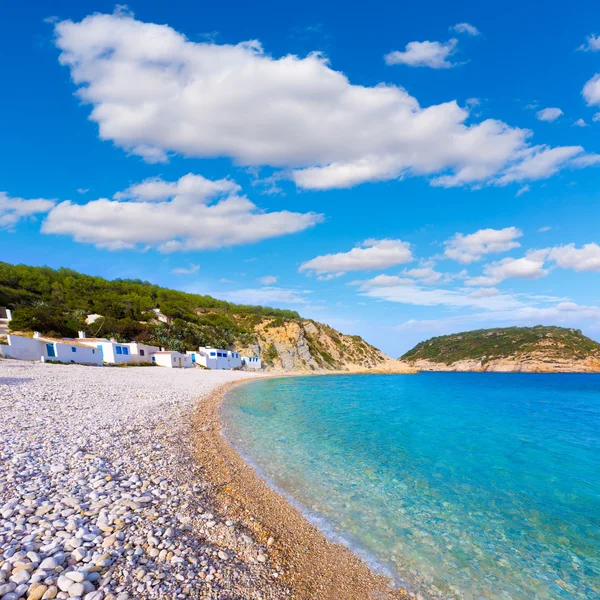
73,349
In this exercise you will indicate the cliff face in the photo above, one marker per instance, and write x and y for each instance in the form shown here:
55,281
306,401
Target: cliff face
513,349
529,364
302,345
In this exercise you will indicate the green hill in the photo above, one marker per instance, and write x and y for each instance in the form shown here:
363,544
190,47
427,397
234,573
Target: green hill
546,343
58,302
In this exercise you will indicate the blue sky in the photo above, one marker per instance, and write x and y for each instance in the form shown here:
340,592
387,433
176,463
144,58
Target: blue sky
397,172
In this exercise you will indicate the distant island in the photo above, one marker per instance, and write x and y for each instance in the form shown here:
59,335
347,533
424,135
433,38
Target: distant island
540,349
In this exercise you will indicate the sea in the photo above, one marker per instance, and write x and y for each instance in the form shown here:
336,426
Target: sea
454,485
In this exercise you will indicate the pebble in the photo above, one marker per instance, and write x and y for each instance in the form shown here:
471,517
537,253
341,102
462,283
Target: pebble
110,505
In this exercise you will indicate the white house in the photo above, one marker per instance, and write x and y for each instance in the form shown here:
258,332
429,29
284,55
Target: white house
117,353
41,348
216,358
172,359
251,362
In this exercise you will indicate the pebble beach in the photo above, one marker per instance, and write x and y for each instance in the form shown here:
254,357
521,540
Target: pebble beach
100,496
116,484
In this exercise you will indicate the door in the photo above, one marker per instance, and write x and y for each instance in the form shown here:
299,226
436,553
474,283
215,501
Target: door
180,361
50,350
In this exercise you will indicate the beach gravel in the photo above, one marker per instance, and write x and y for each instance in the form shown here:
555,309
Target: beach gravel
101,497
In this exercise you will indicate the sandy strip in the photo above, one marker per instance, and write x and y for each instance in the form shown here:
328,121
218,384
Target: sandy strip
312,566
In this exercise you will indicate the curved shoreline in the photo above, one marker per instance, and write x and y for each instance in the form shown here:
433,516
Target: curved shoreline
313,567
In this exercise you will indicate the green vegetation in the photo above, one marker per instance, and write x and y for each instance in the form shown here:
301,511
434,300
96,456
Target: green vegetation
57,302
488,344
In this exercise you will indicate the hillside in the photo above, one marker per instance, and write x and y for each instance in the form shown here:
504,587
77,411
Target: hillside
60,302
527,349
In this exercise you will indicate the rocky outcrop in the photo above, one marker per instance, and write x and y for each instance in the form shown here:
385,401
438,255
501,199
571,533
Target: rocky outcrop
308,346
530,364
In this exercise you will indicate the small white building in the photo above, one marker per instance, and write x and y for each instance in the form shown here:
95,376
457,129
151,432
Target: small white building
216,358
172,359
251,362
116,353
41,348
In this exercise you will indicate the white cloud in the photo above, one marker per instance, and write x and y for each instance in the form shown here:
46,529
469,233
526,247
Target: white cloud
473,101
82,190
566,313
266,295
154,92
472,247
591,91
225,280
371,254
484,292
544,229
12,210
523,190
592,43
527,267
586,258
382,281
580,123
190,214
541,162
549,114
596,117
268,280
424,274
424,54
465,28
186,270
330,276
419,296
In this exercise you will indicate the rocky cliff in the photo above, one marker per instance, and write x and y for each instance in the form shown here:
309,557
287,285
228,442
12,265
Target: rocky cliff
308,346
513,349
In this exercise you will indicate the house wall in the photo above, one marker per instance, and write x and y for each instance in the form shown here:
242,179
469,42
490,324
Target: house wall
136,355
24,348
235,360
251,362
171,360
109,352
82,354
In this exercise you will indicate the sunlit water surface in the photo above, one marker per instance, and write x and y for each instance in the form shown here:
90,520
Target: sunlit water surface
460,485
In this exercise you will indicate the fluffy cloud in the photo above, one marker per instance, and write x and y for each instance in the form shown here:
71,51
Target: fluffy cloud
527,267
424,54
372,254
549,114
541,162
592,43
591,91
268,280
523,190
152,92
472,247
465,28
186,270
580,123
424,274
586,258
192,213
12,210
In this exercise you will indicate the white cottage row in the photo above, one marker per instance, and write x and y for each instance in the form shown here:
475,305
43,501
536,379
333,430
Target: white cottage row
96,351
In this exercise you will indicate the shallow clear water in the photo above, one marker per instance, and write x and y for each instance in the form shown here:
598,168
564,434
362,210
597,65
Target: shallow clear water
460,485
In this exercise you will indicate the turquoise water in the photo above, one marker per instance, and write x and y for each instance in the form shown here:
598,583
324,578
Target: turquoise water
459,485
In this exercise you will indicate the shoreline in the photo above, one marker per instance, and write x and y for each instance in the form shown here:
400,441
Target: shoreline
299,552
